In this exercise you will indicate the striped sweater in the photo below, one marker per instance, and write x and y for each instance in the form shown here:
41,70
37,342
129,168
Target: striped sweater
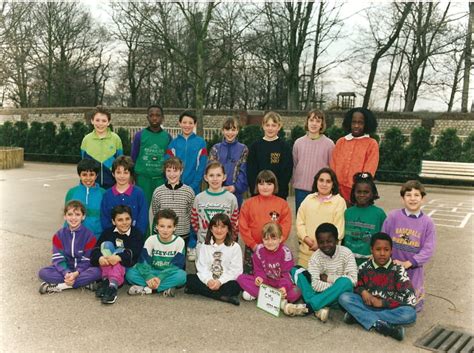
207,204
341,264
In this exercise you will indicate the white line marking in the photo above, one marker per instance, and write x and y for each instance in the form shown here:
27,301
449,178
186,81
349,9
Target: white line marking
56,177
454,209
464,221
432,213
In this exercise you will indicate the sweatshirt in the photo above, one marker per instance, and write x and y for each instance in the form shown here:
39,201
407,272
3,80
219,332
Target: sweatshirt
220,262
272,265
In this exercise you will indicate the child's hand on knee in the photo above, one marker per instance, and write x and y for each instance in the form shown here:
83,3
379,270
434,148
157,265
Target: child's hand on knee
103,261
258,281
70,278
153,283
114,259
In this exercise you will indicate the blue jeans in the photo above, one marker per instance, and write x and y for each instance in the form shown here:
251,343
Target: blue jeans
367,316
300,195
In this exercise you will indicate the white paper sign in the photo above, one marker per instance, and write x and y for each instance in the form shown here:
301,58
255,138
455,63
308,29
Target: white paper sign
269,299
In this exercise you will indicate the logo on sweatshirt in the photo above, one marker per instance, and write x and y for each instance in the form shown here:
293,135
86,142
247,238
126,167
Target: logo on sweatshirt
275,157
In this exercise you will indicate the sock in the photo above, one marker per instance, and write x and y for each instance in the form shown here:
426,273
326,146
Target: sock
283,304
64,286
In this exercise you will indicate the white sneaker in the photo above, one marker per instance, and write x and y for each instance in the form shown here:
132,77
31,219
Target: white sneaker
246,296
191,254
139,290
295,309
170,292
46,287
322,314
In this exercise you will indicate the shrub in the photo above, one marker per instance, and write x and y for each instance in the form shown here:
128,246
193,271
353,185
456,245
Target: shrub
335,133
126,143
249,134
296,133
19,135
7,134
216,138
62,146
418,148
468,149
392,155
448,147
34,138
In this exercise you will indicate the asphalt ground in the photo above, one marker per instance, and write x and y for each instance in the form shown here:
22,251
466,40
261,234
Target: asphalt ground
74,321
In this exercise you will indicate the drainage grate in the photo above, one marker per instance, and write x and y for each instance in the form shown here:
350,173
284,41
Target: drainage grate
447,339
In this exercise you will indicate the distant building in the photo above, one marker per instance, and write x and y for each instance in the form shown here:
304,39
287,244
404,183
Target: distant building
346,100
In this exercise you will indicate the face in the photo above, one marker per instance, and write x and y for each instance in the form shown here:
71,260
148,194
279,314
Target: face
219,231
74,218
271,242
122,176
123,222
324,184
363,194
265,188
165,228
88,178
314,124
173,175
155,118
327,243
271,129
381,251
100,123
187,125
230,134
357,124
215,178
413,200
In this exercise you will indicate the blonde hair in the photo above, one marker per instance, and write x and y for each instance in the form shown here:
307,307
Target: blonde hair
273,116
316,113
272,228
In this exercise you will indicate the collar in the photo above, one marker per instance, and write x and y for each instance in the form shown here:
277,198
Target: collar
412,214
276,138
106,135
322,199
155,132
215,193
225,142
315,138
126,233
127,192
336,253
177,186
350,137
187,138
386,266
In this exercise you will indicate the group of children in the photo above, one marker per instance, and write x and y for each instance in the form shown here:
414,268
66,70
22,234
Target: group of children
107,239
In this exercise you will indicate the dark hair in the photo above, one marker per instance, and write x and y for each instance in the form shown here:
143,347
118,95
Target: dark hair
187,113
370,123
225,220
75,205
335,183
154,106
173,162
266,176
364,178
166,213
316,113
212,165
380,236
410,185
88,165
101,110
231,123
125,161
326,228
119,209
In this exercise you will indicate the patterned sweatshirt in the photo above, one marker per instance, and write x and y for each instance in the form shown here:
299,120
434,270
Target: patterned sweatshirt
389,282
220,262
272,265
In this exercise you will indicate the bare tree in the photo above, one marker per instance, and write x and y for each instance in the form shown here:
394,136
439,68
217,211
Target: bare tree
467,59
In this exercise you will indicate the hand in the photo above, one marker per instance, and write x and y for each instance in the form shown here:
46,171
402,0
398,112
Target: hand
283,292
213,284
377,302
323,277
70,278
230,188
153,283
312,244
258,281
114,259
406,264
103,261
367,298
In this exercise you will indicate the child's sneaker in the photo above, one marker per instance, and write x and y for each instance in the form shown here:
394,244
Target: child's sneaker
386,329
246,296
110,295
93,286
191,254
170,292
349,319
139,290
295,309
102,288
46,287
322,314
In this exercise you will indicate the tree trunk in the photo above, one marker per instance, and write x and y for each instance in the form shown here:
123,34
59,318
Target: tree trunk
467,60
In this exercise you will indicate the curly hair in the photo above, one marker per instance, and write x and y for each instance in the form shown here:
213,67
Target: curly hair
370,123
364,178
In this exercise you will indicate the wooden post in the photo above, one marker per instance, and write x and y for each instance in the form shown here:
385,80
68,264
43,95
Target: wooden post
11,157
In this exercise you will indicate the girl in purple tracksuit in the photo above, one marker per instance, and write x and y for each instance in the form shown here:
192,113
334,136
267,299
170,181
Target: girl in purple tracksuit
272,262
233,156
72,246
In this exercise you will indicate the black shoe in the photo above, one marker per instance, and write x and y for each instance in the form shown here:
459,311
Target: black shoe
349,319
386,329
110,295
232,299
102,288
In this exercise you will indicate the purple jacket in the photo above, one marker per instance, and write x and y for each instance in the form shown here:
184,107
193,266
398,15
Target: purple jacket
72,249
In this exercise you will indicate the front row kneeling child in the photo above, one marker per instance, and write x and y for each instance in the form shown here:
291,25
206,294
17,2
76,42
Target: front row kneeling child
160,267
332,269
272,263
72,246
118,248
219,263
384,297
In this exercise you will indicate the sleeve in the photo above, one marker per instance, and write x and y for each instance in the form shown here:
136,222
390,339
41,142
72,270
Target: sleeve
130,255
194,217
155,202
202,162
234,217
252,168
338,217
69,196
387,225
203,265
372,157
285,220
288,262
316,269
235,265
258,269
241,184
213,155
405,294
427,247
361,279
118,146
244,224
143,265
350,269
136,146
85,261
330,152
335,155
96,252
286,166
294,153
83,147
170,151
105,209
190,202
143,211
301,222
179,260
58,258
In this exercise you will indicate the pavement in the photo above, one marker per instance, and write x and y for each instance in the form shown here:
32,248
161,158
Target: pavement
74,321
